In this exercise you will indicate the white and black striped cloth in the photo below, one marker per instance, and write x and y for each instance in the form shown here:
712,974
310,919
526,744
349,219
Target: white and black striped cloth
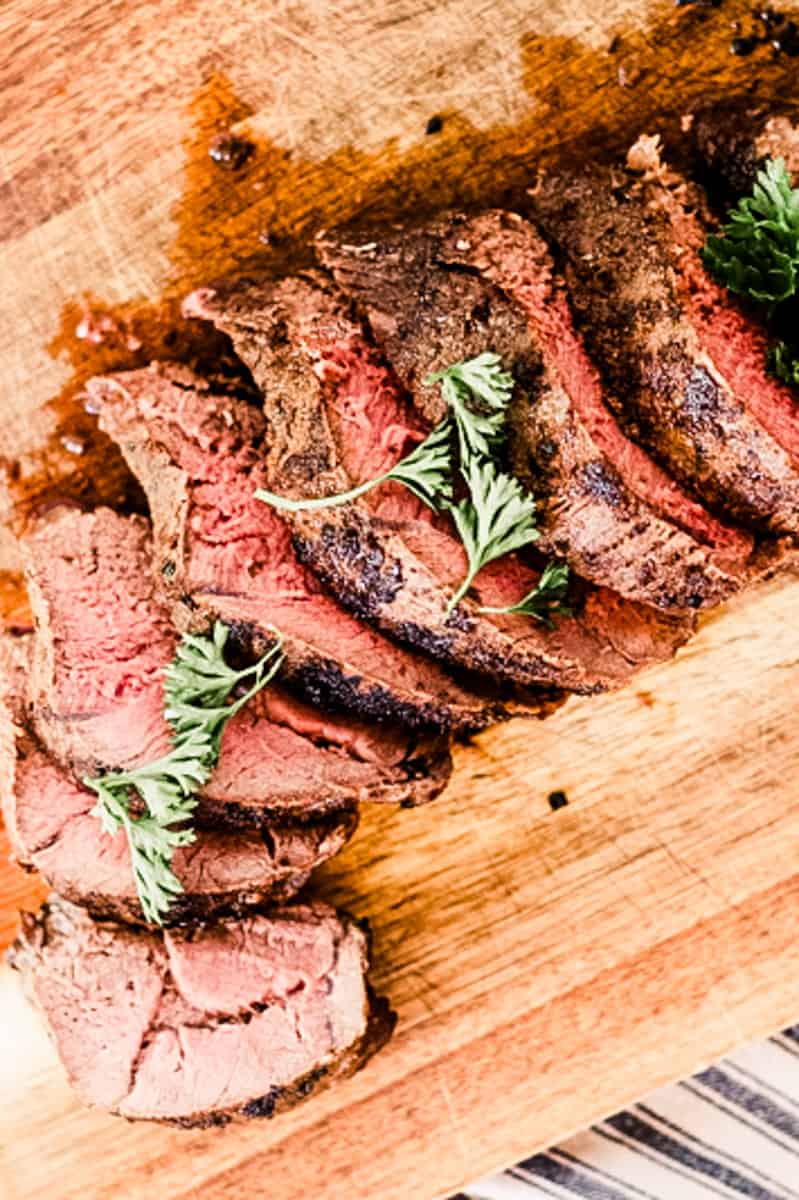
731,1131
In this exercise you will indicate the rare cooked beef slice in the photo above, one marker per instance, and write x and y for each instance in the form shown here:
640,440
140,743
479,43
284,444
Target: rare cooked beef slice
734,139
238,1019
606,507
103,640
220,552
49,819
685,366
337,417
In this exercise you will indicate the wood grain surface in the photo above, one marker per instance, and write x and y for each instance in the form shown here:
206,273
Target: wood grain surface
547,966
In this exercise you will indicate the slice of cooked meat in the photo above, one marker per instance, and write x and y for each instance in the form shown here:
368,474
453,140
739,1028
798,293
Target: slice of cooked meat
336,415
48,816
199,456
243,1018
103,639
686,369
735,138
607,508
49,820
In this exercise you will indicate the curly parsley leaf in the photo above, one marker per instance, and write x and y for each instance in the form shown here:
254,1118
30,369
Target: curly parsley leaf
496,518
548,599
757,254
199,684
783,361
197,690
481,425
426,471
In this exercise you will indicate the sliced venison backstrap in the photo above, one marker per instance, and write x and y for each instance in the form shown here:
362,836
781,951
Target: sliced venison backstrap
199,455
686,367
103,639
239,1019
52,829
336,417
606,507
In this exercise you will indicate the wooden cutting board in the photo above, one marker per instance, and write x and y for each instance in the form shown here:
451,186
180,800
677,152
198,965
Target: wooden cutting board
547,966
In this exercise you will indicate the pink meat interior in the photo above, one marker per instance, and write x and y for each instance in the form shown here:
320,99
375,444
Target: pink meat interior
515,259
376,427
736,345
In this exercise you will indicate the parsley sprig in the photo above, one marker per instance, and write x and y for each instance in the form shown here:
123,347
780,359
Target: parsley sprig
783,362
547,600
197,690
757,254
481,430
426,472
495,516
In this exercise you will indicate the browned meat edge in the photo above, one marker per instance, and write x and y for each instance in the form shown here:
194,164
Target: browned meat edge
596,488
633,287
289,335
50,931
148,413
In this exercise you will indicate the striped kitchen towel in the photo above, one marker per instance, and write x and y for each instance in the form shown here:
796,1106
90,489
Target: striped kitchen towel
730,1131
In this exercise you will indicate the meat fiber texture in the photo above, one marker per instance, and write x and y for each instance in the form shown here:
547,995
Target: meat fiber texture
336,416
49,819
606,507
239,1019
103,639
685,366
199,454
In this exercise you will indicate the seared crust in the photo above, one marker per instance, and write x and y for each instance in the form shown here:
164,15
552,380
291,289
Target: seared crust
381,1024
145,411
391,569
592,517
59,944
733,140
621,258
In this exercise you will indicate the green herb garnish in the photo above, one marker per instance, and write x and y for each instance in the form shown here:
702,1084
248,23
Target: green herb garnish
783,361
496,518
199,683
197,689
480,430
426,471
757,255
546,600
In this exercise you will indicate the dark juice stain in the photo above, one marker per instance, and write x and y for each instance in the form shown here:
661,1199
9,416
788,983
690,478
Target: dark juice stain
248,204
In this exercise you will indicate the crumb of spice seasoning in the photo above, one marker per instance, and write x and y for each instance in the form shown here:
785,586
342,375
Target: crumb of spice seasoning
557,799
229,151
434,125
